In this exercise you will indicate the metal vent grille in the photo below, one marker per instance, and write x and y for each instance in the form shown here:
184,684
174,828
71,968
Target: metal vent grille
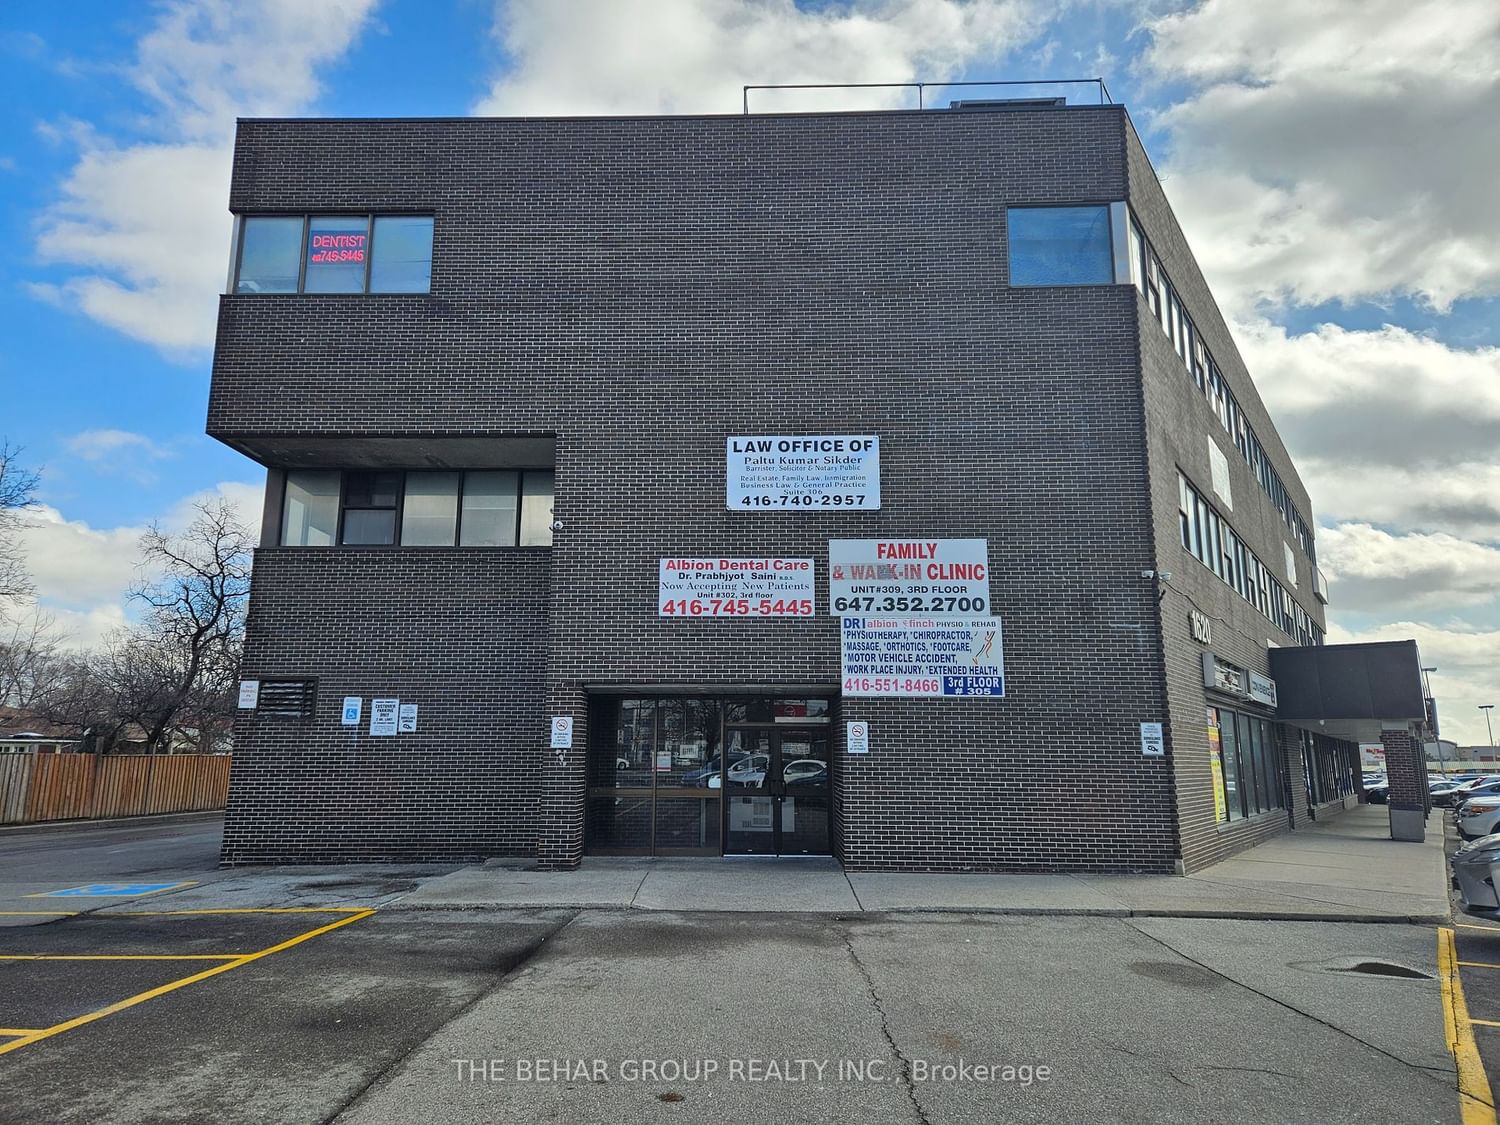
287,699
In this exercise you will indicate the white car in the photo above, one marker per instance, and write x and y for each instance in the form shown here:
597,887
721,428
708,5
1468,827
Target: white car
1479,817
750,771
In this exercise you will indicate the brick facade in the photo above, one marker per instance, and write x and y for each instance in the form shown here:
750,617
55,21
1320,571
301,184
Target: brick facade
637,290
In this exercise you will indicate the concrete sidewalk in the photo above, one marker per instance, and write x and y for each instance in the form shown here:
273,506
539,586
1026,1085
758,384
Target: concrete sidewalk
1346,869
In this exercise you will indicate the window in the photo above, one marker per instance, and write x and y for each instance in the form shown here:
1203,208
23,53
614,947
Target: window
334,254
1060,246
481,508
310,516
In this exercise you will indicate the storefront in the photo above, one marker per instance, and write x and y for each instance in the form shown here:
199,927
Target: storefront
696,775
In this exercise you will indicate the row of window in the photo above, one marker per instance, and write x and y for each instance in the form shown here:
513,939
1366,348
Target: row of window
1151,279
1209,539
333,254
477,508
1250,761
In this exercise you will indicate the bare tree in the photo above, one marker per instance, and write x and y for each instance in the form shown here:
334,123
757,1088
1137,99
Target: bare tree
31,663
169,674
17,491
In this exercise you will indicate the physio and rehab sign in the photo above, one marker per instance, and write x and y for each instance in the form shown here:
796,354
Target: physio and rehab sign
901,576
922,656
735,588
783,472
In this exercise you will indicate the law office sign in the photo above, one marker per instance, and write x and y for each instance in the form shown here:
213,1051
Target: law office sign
779,472
906,657
899,576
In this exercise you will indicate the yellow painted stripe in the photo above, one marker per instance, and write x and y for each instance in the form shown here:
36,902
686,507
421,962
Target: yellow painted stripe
172,986
1475,1101
1471,926
18,1031
1479,965
48,913
240,910
1484,1023
120,956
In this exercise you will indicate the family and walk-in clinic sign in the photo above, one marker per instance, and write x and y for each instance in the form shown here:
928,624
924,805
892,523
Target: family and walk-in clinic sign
772,472
878,587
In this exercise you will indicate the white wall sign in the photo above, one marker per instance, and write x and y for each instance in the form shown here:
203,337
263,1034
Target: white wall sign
1201,628
823,474
1218,470
353,706
249,694
562,732
922,656
383,716
1153,740
406,720
735,588
857,737
902,576
1262,689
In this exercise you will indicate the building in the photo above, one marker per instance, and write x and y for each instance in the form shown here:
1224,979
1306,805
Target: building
569,424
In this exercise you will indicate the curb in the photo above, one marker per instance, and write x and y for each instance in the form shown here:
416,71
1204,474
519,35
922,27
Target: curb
151,818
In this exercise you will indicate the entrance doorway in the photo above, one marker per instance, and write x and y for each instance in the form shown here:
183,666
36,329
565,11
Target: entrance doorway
777,792
736,775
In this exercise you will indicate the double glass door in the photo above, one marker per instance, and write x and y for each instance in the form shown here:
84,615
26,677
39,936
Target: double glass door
777,791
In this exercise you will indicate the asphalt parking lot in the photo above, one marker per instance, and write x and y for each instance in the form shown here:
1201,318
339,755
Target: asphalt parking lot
313,995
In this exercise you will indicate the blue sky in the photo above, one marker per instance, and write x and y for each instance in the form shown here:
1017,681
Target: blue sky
1328,162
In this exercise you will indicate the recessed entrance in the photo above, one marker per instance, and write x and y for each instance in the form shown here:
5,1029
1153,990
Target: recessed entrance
709,776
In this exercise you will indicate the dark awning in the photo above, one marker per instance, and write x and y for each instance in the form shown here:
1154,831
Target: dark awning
1349,688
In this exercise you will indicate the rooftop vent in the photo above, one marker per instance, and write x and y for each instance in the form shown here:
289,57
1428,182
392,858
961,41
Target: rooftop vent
1007,103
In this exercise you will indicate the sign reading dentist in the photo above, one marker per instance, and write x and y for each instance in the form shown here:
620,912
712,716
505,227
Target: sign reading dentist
835,473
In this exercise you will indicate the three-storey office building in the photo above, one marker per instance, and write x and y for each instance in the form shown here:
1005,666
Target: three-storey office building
616,466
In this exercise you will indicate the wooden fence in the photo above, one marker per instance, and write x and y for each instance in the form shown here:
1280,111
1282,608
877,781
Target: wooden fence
37,787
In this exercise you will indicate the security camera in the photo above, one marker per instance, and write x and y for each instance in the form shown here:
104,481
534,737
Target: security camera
1148,574
1166,576
557,525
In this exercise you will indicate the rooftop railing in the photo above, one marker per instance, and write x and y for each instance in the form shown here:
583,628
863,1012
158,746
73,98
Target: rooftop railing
1095,86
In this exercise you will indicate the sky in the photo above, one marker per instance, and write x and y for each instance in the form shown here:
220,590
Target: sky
1332,162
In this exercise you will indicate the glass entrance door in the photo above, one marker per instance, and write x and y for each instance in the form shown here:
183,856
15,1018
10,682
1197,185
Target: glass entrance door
777,792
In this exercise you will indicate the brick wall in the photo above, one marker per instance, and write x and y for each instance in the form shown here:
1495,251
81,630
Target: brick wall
462,634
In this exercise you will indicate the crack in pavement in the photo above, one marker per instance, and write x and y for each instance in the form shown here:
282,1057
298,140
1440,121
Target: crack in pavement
524,958
1444,1076
885,1028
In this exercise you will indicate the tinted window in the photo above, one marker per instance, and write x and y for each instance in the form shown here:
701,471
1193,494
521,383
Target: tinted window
268,256
429,517
536,510
310,517
401,255
489,518
336,252
1060,246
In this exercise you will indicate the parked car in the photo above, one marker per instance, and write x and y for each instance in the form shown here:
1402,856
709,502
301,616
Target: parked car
805,771
1476,868
1479,817
750,770
1479,787
704,777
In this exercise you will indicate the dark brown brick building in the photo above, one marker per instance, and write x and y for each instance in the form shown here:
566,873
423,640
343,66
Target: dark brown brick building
495,370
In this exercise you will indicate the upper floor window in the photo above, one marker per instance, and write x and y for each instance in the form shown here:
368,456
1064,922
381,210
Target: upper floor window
1060,245
479,508
334,254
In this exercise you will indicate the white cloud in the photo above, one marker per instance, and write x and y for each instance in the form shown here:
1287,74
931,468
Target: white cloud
84,573
693,56
146,223
1333,150
1373,570
1465,658
101,445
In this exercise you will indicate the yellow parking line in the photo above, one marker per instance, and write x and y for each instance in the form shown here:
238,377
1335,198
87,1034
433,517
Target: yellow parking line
1476,1103
120,956
172,986
1472,926
18,1031
1484,1023
1479,964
